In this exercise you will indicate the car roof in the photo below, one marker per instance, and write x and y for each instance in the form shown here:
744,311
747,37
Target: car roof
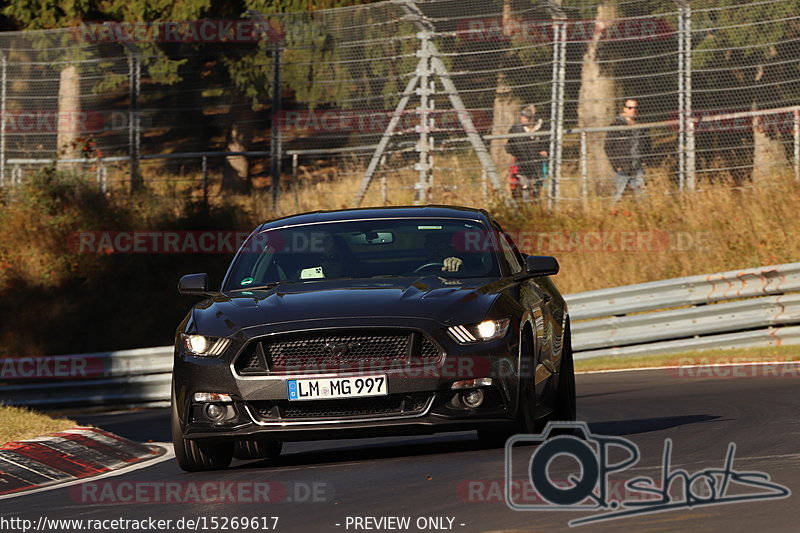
428,211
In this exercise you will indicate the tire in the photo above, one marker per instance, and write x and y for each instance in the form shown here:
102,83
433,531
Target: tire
257,449
197,455
525,421
565,408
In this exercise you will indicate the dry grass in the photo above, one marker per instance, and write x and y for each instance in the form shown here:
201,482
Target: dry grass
18,423
706,357
664,235
46,286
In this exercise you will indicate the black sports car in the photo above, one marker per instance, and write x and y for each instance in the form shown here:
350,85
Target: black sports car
369,322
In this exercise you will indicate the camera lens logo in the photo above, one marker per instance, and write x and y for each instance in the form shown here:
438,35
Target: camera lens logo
591,488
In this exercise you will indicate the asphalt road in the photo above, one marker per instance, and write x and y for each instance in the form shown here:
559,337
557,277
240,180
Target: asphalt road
320,484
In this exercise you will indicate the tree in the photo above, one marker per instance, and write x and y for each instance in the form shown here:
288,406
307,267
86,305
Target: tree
746,59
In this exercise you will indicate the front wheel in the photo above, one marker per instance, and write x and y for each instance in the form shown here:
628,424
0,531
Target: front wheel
565,408
196,455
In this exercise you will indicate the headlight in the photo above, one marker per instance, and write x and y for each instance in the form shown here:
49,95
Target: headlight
483,331
204,346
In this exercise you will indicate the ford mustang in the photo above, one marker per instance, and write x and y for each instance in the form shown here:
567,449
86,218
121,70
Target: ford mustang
369,322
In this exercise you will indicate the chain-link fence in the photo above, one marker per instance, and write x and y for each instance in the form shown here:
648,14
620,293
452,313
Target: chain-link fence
416,100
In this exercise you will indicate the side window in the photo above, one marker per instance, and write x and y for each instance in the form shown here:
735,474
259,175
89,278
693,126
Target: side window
510,253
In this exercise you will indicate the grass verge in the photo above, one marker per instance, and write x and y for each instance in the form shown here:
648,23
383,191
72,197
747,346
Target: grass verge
19,423
705,357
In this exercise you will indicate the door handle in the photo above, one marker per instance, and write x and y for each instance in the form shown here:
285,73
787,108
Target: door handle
546,297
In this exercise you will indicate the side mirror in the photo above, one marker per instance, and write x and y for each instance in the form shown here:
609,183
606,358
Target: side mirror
541,265
194,284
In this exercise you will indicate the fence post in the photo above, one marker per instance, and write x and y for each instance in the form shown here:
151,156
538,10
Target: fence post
584,169
681,101
556,111
3,78
562,46
295,185
275,144
687,48
134,82
796,127
423,91
204,167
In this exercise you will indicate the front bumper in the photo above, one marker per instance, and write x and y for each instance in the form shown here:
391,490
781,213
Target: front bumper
261,409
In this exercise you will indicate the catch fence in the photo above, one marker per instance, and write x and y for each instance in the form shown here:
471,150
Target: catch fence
411,100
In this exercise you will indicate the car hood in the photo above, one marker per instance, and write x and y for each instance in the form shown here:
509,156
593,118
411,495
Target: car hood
431,297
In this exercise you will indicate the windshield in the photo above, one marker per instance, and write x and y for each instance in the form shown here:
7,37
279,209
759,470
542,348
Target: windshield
363,249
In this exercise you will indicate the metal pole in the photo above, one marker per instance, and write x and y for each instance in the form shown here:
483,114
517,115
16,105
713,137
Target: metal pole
422,148
681,102
275,144
690,155
384,191
294,182
796,144
484,187
551,152
204,166
3,78
134,74
584,169
559,125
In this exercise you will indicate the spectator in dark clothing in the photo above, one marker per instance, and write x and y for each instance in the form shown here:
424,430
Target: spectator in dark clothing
528,152
625,151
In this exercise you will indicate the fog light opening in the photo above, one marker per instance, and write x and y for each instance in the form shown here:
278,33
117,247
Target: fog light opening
215,412
473,398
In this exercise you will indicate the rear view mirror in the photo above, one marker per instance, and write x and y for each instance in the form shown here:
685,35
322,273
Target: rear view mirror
372,237
195,284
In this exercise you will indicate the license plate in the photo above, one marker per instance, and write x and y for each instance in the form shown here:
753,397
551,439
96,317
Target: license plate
330,388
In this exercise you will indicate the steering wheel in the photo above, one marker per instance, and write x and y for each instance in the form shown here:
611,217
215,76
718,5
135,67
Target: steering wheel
428,265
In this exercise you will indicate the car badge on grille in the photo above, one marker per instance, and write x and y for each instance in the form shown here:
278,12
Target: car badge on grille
339,349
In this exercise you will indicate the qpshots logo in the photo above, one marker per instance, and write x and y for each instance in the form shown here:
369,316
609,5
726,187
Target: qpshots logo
591,488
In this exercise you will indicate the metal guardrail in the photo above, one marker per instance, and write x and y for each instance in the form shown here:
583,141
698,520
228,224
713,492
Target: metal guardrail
722,310
736,309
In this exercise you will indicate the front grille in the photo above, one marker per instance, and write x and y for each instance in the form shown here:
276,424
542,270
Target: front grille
373,407
334,351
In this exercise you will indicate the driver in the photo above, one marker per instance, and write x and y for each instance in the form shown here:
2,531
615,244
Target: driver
439,248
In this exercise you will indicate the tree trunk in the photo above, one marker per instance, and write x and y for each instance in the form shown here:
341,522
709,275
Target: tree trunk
69,108
236,172
504,112
505,108
769,157
596,106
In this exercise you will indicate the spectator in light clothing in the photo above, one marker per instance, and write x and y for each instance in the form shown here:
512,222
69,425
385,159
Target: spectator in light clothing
528,152
625,151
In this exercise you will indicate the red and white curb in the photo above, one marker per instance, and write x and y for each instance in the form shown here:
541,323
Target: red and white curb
67,456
